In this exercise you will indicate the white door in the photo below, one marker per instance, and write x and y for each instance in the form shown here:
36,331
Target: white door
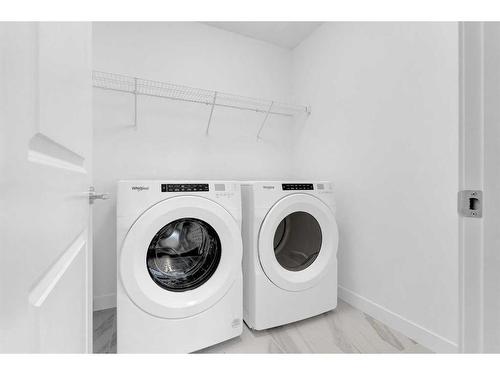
45,161
298,242
480,172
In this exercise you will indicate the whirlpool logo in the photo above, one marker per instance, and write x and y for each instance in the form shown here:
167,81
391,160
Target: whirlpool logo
140,188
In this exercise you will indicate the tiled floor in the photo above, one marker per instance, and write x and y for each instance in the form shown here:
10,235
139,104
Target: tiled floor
344,330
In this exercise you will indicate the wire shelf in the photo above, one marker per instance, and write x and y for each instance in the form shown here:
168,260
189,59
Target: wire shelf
139,86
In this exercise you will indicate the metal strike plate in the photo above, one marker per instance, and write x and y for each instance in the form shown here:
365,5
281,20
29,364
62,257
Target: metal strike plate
470,203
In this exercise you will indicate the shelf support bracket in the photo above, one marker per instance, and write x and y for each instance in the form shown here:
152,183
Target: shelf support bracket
135,103
265,119
211,111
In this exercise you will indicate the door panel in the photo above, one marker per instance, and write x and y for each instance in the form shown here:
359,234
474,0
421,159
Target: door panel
66,325
64,61
45,284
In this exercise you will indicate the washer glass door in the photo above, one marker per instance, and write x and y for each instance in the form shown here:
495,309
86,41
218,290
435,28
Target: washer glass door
183,254
297,241
180,257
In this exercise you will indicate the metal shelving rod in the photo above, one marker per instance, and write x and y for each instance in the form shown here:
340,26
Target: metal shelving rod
138,86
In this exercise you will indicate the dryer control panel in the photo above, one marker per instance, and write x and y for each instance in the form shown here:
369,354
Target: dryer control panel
169,188
297,186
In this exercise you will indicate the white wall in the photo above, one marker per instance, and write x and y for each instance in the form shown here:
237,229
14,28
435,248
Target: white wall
385,112
170,142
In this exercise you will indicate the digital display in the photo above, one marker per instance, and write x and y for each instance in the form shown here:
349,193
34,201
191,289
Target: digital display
170,188
297,186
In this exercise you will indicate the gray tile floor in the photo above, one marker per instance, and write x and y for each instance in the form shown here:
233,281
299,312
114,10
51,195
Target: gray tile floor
344,330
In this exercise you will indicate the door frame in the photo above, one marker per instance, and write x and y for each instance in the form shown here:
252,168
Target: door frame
470,177
90,284
479,118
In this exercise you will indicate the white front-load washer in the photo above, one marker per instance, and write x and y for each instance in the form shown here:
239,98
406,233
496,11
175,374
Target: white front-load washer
290,241
179,252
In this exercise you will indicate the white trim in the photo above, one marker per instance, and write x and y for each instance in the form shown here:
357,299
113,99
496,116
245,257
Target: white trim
471,171
420,334
44,150
89,284
40,158
106,301
44,287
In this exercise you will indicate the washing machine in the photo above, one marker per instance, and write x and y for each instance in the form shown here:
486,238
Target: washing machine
290,240
179,285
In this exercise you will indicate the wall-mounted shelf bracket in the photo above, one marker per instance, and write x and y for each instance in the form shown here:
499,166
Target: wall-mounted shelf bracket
135,103
265,119
211,111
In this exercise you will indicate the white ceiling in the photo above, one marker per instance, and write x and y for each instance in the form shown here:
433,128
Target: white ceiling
283,34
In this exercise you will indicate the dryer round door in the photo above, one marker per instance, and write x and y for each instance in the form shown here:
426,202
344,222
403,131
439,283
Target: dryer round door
298,242
180,257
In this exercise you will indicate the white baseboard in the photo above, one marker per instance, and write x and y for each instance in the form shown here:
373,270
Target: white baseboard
104,302
418,333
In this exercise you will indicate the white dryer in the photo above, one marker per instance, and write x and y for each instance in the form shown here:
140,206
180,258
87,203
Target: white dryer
179,286
290,241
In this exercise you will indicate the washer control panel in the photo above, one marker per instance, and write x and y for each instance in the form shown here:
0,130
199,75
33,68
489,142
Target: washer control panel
297,186
169,188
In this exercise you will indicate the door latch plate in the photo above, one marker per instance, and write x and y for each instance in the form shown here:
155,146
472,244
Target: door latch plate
470,203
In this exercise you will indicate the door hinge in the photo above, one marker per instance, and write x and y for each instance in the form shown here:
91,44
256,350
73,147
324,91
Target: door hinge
93,195
470,203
